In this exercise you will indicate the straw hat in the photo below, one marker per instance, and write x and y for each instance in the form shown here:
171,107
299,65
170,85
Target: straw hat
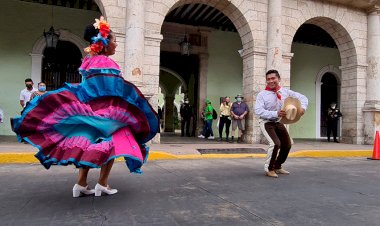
292,107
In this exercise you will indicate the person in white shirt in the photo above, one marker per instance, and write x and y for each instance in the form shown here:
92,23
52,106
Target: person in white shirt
27,92
269,108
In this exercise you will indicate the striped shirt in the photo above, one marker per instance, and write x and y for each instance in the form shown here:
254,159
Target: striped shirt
267,103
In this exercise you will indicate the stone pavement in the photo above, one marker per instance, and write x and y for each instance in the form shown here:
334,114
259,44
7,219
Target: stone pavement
322,191
175,147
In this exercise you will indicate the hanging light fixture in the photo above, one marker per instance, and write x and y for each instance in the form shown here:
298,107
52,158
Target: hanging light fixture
51,37
185,46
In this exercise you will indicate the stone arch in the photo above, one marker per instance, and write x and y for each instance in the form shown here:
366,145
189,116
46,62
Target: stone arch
249,18
175,74
345,26
65,35
158,11
101,4
39,47
318,82
341,36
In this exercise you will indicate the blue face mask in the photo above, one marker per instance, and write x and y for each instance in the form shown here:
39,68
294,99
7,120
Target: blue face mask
42,88
238,99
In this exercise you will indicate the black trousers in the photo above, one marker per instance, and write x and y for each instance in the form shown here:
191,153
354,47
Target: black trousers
185,126
332,125
224,120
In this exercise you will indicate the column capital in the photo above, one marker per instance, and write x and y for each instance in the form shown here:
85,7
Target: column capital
287,55
149,36
372,105
374,10
353,66
245,53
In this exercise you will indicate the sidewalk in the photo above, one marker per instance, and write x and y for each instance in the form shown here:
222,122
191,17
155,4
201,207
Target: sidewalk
186,148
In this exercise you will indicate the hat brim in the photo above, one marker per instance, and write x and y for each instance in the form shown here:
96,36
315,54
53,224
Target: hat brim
295,102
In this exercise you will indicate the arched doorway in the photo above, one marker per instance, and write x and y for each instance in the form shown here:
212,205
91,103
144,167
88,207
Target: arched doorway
171,95
346,59
213,67
330,89
61,65
316,58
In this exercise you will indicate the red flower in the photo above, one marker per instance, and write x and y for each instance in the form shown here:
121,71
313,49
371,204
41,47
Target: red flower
96,47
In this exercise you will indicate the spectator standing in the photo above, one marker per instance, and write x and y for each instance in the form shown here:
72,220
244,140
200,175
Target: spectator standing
207,117
41,90
27,92
333,115
186,113
225,117
239,110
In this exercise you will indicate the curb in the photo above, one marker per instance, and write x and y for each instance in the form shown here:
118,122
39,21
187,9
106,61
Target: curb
20,158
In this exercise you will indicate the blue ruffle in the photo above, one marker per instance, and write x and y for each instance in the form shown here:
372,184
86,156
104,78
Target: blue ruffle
94,87
101,86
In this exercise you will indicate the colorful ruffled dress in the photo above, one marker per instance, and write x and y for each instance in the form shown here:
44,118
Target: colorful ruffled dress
89,124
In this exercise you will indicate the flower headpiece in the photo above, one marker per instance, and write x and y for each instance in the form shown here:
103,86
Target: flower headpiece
99,41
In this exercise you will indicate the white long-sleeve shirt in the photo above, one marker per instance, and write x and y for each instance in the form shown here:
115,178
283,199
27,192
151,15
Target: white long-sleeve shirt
267,103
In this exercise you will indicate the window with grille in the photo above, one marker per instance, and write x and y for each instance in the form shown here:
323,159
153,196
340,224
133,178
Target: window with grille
61,65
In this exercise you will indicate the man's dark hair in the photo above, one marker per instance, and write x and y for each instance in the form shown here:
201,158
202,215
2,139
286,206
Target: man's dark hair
28,80
273,72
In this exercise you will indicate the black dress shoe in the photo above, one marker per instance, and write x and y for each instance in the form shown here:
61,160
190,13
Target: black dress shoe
336,141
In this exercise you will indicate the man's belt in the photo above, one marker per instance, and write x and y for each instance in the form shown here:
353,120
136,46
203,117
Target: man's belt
270,120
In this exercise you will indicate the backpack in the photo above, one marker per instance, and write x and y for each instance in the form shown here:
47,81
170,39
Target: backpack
214,114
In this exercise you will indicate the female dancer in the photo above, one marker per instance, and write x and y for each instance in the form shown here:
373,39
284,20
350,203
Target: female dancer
91,124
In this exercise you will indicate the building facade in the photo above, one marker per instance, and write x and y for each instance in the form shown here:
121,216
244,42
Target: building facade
240,37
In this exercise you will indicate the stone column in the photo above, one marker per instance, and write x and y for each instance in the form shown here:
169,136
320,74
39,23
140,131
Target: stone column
134,43
353,97
202,89
274,36
254,67
169,114
372,103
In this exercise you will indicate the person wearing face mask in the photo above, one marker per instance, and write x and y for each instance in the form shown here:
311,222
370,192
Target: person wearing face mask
225,117
268,107
186,112
41,90
239,110
333,115
27,92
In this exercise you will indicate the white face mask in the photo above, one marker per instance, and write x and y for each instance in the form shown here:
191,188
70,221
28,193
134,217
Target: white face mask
333,106
186,102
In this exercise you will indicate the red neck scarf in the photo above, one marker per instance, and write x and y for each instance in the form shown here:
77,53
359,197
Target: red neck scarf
276,90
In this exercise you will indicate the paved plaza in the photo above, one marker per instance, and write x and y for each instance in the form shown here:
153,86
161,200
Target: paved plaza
319,191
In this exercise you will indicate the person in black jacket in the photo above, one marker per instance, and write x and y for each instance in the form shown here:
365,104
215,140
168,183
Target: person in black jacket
186,112
333,115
